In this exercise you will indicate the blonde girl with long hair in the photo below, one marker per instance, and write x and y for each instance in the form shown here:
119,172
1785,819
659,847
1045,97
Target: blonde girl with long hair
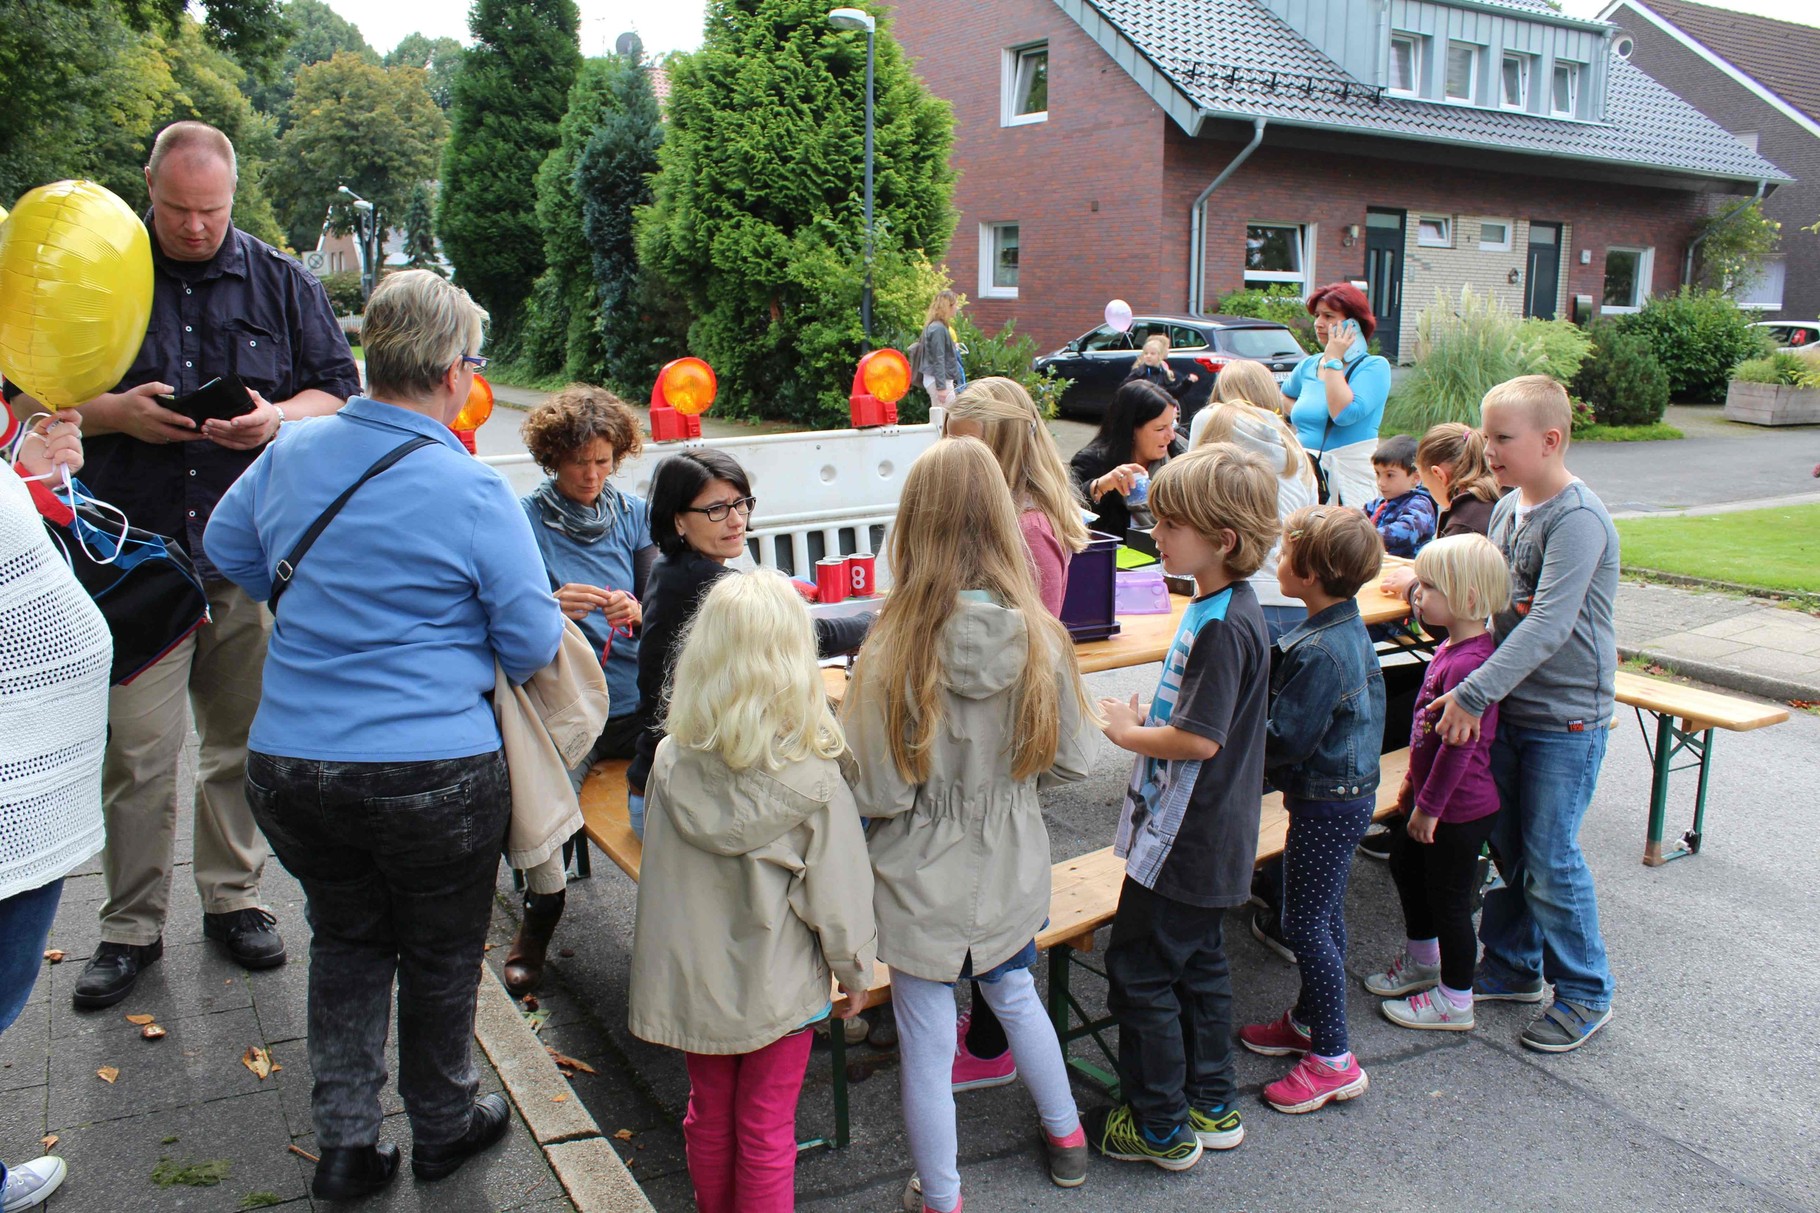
1264,433
966,696
1000,413
936,359
1241,381
1451,464
1153,365
756,887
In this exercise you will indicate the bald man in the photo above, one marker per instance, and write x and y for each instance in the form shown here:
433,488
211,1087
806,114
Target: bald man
223,303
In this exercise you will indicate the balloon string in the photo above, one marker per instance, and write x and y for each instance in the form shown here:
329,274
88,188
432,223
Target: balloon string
80,497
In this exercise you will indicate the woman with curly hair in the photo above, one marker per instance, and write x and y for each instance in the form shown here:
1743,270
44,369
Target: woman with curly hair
596,546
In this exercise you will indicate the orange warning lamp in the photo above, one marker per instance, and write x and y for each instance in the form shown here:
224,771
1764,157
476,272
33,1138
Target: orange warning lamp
474,411
879,382
683,391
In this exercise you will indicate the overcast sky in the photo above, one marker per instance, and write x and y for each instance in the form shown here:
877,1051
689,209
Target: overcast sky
675,25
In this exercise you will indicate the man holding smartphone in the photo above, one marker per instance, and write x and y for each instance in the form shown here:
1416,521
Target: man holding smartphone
224,305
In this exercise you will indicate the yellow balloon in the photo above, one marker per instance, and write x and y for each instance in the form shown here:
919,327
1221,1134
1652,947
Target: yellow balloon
75,292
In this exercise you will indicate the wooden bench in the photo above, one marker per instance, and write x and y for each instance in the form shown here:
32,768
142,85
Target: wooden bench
1685,720
1084,895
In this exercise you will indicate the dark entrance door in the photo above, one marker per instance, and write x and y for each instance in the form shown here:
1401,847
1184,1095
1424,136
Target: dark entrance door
1384,275
1544,277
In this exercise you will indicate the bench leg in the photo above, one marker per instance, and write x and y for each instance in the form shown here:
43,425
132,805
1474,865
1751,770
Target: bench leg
1658,791
1706,758
1670,741
837,1054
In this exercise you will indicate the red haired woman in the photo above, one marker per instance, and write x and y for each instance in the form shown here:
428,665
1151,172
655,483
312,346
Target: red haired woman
1336,397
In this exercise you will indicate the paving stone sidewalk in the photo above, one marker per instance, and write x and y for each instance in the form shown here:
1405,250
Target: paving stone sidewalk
1751,645
185,1108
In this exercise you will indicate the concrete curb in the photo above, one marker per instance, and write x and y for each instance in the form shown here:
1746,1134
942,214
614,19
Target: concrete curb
591,1171
1761,685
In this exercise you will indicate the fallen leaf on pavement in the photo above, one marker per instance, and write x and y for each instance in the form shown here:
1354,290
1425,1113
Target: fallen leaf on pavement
300,1152
531,1003
569,1063
258,1061
559,1099
535,1019
151,1031
624,1135
49,1140
108,1074
141,1020
54,955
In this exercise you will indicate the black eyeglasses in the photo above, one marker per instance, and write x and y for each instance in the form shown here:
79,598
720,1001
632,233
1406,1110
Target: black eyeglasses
718,511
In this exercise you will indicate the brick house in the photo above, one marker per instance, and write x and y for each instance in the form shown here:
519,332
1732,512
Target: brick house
1170,151
1759,79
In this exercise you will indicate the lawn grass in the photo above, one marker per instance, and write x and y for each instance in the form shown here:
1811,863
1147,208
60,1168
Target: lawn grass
1776,549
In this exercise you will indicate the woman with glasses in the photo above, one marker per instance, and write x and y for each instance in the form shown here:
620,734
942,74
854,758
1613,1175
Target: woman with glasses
374,764
701,503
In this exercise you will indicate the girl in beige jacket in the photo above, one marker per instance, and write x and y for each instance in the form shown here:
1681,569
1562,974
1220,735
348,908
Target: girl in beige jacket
755,887
965,699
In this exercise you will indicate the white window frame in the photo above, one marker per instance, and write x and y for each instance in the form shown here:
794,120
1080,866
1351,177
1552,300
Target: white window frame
1525,79
1494,246
1575,73
1446,222
1417,57
1646,272
989,243
1305,245
1012,76
1477,53
1772,273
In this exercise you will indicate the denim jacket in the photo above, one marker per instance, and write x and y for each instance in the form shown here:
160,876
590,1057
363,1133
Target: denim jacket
1326,728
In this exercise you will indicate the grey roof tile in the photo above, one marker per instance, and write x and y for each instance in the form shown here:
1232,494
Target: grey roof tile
1783,56
1234,58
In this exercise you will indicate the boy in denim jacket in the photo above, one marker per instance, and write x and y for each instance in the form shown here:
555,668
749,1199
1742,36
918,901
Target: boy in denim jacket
1553,677
1321,750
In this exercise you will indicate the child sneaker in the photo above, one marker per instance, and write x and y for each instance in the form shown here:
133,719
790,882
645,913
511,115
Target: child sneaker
977,1073
913,1197
30,1184
1278,1038
1114,1132
1067,1158
1564,1027
1405,975
1488,986
1219,1129
1314,1084
1429,1009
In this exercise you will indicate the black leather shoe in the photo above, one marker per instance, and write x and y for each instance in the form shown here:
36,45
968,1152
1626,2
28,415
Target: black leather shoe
350,1173
112,971
486,1125
250,936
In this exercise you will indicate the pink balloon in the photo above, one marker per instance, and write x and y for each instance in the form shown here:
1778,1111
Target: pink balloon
1118,315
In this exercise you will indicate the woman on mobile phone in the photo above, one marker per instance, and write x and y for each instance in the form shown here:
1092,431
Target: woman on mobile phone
1335,398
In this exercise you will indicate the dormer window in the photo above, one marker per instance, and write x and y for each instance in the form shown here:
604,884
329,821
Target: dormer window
1564,99
1515,82
1462,71
1406,64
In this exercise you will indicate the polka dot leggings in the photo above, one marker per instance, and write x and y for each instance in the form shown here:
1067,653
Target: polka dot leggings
1317,863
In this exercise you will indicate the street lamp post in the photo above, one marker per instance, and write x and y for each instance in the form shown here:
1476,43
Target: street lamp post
860,19
365,230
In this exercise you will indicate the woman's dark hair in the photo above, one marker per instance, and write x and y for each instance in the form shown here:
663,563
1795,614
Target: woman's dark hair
1137,402
1349,301
679,479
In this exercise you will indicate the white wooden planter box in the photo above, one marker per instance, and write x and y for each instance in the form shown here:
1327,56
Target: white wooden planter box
1772,404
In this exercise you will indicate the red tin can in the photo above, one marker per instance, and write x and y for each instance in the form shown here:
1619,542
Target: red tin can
831,579
862,569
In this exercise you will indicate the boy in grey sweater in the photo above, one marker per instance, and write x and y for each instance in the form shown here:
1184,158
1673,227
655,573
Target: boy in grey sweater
1553,676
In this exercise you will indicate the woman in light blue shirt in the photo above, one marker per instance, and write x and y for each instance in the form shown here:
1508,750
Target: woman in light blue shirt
1335,399
374,764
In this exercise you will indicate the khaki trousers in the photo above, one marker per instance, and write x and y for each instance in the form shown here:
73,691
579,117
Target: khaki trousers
216,674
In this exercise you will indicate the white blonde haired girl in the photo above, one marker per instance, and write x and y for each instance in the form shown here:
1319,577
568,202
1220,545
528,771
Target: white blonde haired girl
1156,353
1470,573
746,686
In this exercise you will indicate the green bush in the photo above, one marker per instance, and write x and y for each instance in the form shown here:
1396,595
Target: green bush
344,292
1462,351
1008,353
1283,304
1623,380
1556,348
1698,337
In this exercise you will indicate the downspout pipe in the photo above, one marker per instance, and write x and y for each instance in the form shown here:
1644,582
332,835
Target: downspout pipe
1197,219
1687,263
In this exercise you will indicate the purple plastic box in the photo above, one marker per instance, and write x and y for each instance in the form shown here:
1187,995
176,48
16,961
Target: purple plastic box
1090,608
1141,592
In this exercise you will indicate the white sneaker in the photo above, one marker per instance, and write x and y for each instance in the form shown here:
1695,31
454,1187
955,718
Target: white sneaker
1430,1010
1405,975
29,1185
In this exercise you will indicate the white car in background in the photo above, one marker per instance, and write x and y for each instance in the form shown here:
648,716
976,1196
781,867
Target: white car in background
1796,336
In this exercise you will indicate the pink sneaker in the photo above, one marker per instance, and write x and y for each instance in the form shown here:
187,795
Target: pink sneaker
977,1073
1313,1084
1278,1038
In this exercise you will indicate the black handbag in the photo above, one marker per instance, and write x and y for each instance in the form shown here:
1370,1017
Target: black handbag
149,592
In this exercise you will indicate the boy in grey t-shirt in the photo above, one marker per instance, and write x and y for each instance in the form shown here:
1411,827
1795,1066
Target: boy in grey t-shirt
1553,676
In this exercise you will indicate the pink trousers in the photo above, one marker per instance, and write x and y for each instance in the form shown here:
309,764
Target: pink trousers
740,1132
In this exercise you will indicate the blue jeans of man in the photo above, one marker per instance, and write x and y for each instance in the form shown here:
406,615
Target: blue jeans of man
1544,920
398,862
25,925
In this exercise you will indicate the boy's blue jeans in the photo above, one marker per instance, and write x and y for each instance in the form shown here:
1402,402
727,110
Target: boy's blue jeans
1544,921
